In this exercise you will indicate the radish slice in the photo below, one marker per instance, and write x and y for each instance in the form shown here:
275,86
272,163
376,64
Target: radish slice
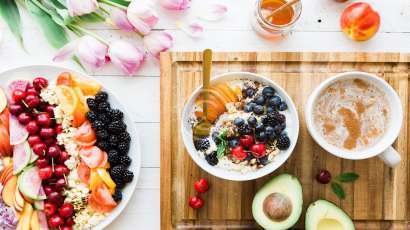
21,157
18,133
29,183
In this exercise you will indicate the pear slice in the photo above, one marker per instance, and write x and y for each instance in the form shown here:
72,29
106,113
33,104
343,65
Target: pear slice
3,100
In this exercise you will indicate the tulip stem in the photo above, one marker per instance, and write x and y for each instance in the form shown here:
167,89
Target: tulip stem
108,2
84,31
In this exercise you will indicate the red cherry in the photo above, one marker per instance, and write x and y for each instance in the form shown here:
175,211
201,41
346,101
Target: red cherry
60,184
47,132
48,189
16,109
247,140
63,157
50,110
61,170
238,153
40,83
32,101
66,227
323,176
32,140
69,222
66,210
56,198
32,128
18,95
31,91
59,128
40,149
46,172
24,118
53,151
42,162
50,141
55,221
49,208
258,150
196,202
44,120
201,185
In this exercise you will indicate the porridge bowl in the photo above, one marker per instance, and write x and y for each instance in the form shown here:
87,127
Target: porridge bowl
254,126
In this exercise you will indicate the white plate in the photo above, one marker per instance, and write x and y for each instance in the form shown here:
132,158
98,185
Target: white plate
51,73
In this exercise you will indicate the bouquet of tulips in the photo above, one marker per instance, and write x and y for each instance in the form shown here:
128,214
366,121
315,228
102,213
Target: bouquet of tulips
60,18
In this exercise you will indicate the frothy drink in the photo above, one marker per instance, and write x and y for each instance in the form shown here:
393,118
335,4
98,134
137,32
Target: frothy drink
351,114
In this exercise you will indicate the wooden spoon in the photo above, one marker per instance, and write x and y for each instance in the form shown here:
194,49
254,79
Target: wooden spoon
288,4
203,128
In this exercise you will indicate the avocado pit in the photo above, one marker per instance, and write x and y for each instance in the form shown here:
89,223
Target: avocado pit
277,206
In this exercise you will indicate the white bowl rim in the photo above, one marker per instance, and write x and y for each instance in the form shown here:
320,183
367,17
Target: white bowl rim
388,138
236,176
130,128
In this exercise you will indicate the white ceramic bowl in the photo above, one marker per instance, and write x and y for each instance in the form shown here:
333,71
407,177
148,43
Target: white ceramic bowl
51,73
292,128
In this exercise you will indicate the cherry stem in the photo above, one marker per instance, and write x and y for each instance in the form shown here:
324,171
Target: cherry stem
52,163
24,103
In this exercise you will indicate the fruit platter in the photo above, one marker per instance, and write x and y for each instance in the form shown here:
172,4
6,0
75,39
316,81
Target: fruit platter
69,153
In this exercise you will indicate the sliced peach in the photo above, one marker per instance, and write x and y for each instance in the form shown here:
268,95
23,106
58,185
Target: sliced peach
18,201
68,99
89,87
95,179
105,176
34,223
228,92
9,190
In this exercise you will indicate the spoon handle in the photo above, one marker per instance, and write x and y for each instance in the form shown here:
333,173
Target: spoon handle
206,77
288,4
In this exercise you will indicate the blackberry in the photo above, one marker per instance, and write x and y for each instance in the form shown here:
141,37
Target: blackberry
128,176
101,97
283,142
97,125
274,118
123,148
117,173
102,135
124,137
119,183
125,160
245,130
201,144
91,116
113,141
211,158
103,107
104,118
113,157
104,145
117,127
116,114
92,104
117,195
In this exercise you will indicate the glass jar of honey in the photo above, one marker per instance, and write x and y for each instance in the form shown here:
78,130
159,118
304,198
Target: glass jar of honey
275,18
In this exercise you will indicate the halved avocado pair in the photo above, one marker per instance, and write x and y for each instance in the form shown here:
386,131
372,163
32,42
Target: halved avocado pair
278,205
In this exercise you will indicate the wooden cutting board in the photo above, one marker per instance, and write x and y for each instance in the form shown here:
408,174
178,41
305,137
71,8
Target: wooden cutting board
378,200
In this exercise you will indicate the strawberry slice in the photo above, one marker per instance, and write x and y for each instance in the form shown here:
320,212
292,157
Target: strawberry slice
92,156
85,135
83,172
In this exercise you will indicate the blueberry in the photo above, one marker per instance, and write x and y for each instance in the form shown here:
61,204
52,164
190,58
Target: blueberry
248,108
249,92
260,100
263,160
279,128
233,142
259,109
270,110
239,121
268,92
261,136
260,127
249,157
274,101
283,106
269,131
252,121
252,104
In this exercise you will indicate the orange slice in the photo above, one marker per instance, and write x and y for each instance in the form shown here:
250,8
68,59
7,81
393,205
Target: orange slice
89,87
68,99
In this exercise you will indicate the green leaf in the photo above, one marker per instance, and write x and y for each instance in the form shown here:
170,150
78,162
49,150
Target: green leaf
54,32
92,18
347,177
221,149
10,13
121,2
338,190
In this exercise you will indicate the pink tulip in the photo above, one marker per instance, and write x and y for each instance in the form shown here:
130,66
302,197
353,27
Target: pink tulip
157,42
126,56
89,50
81,7
175,4
142,16
119,18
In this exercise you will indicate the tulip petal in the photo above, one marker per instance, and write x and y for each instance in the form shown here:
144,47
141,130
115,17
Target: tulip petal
81,7
67,51
214,12
175,4
119,18
194,30
92,52
142,16
126,56
157,42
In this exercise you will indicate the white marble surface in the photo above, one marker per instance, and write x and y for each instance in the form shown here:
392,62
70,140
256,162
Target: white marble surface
317,30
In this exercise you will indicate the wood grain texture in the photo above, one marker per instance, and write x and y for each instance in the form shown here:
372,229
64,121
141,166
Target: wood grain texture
378,200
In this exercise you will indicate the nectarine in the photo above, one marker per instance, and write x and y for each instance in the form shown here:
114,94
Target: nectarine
359,21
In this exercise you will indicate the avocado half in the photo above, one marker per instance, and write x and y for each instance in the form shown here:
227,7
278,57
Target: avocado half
278,204
324,215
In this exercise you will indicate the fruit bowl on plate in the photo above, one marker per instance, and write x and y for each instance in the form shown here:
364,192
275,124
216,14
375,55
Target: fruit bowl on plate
253,130
72,155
